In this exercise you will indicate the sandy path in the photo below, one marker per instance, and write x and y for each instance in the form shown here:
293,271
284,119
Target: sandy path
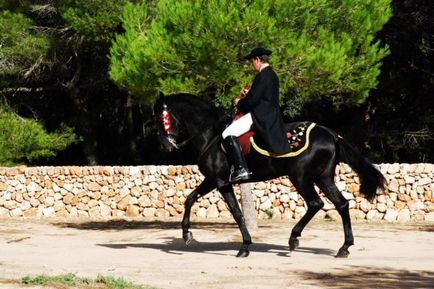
152,253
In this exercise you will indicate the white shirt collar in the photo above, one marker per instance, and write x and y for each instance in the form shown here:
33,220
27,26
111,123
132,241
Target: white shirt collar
263,66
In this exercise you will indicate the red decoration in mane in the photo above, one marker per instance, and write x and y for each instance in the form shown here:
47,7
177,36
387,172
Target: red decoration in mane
165,118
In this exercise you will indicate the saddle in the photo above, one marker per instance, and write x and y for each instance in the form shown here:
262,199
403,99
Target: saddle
297,134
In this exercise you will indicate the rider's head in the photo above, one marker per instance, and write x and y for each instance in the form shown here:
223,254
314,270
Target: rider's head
258,56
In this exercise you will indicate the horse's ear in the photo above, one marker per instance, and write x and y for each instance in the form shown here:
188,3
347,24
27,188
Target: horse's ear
159,102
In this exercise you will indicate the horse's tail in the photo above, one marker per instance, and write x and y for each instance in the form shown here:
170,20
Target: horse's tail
371,178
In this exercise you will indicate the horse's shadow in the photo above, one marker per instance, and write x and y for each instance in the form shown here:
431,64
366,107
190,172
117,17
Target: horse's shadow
177,246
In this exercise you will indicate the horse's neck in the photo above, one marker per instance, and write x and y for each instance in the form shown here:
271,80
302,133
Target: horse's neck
204,129
207,136
209,141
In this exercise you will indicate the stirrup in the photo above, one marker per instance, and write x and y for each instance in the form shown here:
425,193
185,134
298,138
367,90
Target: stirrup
238,175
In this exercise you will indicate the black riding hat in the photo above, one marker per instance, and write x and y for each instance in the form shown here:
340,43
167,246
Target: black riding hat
257,52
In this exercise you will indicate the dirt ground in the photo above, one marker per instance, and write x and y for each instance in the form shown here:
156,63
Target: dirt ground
152,253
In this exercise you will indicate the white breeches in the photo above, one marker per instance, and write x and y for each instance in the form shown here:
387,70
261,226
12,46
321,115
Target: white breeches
239,126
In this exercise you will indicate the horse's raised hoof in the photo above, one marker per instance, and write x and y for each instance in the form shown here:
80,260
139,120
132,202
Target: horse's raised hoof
243,253
188,237
342,253
293,244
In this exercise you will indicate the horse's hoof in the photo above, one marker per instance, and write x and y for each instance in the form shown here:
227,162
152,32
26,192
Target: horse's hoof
293,244
243,253
188,237
342,253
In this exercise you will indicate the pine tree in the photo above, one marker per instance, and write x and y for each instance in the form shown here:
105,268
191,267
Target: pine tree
26,141
20,49
321,49
22,53
96,21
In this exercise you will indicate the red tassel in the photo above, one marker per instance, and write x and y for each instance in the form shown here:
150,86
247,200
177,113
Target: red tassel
165,116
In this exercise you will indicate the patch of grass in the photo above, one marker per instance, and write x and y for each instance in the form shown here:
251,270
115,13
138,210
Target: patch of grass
73,281
67,279
117,283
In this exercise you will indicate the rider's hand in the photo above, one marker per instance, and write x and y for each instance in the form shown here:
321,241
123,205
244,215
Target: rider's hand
244,92
236,100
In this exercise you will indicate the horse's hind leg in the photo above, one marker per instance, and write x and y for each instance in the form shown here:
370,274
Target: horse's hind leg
342,206
204,188
314,204
229,196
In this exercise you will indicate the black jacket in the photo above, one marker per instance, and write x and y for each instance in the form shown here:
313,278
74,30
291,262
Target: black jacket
262,101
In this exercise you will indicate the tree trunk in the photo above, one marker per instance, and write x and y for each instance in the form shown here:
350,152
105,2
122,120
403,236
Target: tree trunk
248,207
133,154
84,125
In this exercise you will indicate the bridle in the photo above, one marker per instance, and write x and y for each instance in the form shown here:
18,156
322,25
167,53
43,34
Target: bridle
166,119
171,137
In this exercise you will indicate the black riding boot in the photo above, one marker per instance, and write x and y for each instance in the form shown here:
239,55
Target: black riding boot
239,170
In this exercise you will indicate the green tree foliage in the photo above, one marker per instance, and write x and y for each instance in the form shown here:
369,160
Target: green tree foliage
22,53
322,48
53,63
20,48
26,141
402,108
95,20
105,114
69,82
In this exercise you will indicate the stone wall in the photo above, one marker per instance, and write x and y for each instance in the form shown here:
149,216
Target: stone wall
160,192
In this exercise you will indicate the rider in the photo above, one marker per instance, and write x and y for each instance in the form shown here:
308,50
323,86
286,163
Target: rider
260,106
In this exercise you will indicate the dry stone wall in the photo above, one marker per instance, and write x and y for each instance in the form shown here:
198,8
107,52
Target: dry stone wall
160,192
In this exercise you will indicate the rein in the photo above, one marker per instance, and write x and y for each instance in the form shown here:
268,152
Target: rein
182,144
207,147
170,137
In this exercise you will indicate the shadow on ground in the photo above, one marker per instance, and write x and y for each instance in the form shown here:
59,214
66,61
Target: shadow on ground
137,225
177,246
156,224
370,277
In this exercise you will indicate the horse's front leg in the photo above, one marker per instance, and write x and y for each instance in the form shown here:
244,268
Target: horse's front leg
204,188
229,196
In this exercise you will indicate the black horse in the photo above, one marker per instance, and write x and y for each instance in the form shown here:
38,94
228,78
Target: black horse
186,119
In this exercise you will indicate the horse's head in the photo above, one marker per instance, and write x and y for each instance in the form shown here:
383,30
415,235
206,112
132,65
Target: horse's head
171,130
184,117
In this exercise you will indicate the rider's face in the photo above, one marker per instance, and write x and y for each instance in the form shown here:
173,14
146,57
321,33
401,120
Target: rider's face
256,63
